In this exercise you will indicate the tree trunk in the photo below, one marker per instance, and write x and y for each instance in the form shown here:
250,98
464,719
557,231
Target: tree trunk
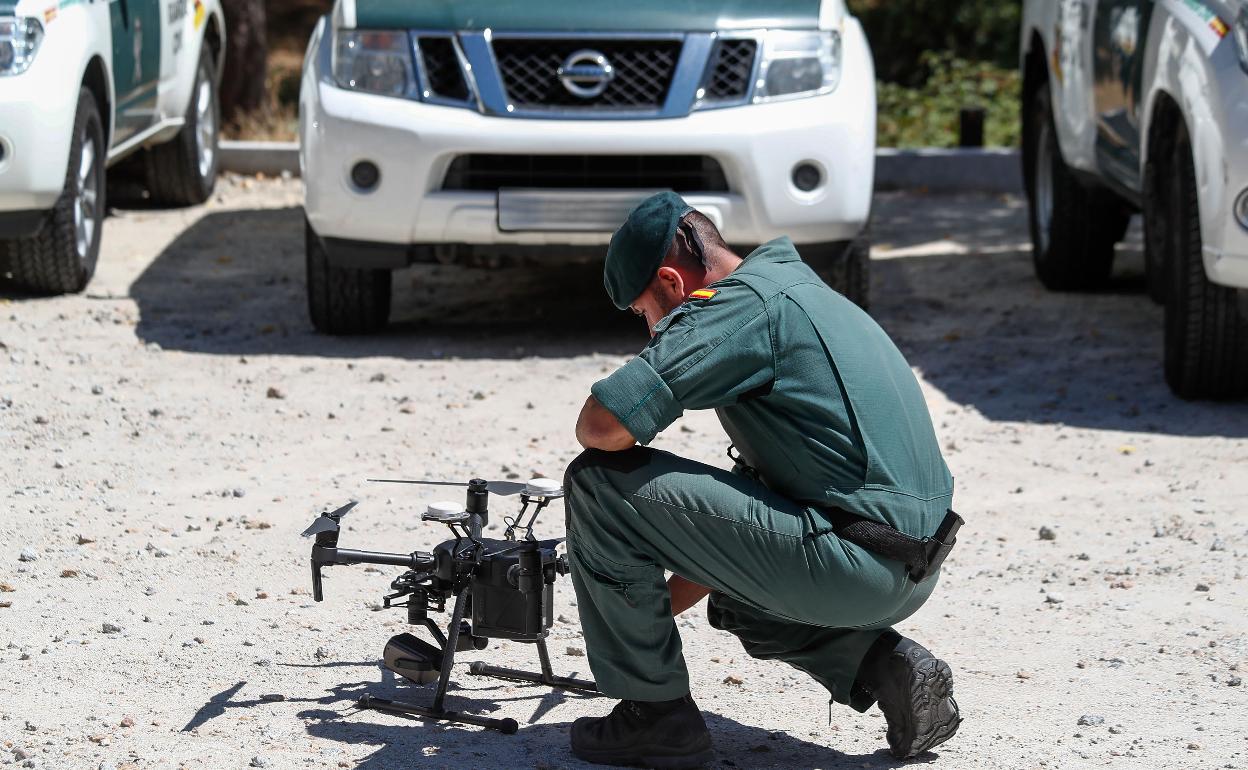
247,50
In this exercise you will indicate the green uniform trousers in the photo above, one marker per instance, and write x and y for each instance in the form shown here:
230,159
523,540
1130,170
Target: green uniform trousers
781,581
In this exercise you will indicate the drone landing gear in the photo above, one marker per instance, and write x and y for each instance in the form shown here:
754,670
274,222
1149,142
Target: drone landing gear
436,712
547,677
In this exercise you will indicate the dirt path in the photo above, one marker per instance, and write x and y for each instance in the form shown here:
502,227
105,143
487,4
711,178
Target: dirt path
165,436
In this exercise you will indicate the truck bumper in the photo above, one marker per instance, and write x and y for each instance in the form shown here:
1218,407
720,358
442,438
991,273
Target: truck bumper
414,144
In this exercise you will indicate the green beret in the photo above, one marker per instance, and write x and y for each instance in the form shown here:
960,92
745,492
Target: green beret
638,247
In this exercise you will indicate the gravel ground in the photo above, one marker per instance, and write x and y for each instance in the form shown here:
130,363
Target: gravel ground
165,436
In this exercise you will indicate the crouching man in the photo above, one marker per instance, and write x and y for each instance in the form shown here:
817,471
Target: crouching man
829,530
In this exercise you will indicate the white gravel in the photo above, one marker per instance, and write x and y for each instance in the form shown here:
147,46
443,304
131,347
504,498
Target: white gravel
165,436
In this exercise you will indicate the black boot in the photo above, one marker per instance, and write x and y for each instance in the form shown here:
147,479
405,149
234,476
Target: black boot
915,691
666,734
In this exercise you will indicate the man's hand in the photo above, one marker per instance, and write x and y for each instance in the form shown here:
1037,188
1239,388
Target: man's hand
685,593
598,428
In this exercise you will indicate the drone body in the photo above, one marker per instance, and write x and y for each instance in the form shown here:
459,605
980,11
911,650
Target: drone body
506,587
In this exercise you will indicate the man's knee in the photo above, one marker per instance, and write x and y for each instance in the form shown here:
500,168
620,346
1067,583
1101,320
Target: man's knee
592,465
591,469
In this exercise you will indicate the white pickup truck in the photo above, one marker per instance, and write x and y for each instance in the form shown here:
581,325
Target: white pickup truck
84,84
483,130
1142,105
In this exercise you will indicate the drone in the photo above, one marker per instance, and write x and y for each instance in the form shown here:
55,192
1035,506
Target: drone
506,587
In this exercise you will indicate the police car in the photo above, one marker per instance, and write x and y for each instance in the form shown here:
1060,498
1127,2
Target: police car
84,84
1142,105
482,130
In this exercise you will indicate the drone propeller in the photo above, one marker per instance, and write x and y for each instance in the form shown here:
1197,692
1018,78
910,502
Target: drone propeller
327,522
504,488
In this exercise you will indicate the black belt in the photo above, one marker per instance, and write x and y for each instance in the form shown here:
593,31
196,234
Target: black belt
922,556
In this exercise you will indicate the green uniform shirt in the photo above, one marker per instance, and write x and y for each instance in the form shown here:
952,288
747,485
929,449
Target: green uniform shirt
809,388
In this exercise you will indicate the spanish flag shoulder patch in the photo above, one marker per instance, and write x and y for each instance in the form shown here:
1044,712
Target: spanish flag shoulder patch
703,293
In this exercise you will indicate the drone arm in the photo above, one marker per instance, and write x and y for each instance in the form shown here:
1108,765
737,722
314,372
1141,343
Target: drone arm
327,555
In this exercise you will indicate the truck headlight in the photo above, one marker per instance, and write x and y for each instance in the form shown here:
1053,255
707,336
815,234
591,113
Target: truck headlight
19,42
798,64
1241,36
374,61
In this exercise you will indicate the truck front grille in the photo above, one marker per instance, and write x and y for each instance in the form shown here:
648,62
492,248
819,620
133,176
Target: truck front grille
441,68
682,173
643,71
731,65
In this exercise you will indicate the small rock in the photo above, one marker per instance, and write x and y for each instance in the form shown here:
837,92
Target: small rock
733,680
150,591
564,619
1047,533
259,761
97,390
28,554
1202,586
1054,598
273,392
160,553
69,573
1193,746
378,377
1218,544
127,722
1092,720
84,540
1233,681
273,697
322,653
239,492
111,628
576,652
19,754
1116,729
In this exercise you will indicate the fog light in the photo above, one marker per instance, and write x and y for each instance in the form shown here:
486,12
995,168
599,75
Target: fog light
1241,209
365,175
807,176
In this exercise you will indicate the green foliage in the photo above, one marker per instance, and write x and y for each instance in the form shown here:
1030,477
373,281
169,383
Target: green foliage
901,30
928,116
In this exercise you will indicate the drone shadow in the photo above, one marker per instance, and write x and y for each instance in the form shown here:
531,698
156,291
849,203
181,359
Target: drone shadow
545,744
399,742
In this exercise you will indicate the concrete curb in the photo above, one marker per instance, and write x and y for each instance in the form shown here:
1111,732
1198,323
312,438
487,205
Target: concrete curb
996,170
937,170
268,158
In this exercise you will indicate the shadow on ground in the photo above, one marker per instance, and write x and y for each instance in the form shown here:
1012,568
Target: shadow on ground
233,283
970,315
952,283
333,717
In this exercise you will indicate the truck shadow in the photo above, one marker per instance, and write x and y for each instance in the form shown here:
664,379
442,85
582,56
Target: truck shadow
952,284
967,311
233,283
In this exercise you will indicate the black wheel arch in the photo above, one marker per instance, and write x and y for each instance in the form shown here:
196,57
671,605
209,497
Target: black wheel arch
96,80
1035,77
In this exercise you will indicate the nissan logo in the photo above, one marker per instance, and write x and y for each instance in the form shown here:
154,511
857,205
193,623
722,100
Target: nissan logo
586,74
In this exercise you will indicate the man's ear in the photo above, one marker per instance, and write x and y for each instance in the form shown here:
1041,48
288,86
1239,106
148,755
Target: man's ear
672,282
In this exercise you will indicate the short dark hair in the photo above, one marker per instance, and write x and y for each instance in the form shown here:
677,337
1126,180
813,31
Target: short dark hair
695,233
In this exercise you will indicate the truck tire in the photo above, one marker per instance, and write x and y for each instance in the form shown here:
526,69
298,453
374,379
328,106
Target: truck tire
183,171
344,300
1073,227
843,265
1206,331
61,257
